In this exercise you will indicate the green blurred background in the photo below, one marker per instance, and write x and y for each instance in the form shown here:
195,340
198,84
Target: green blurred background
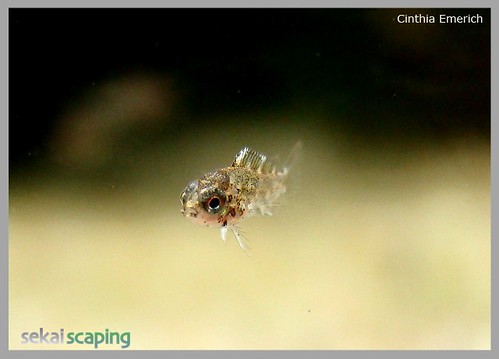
382,243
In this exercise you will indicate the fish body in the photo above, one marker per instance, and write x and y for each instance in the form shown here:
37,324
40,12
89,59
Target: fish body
224,197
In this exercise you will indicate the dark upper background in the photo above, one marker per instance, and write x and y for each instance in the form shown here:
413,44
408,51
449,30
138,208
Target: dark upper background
393,80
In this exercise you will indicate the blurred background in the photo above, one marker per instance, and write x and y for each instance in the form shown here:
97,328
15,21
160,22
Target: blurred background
382,243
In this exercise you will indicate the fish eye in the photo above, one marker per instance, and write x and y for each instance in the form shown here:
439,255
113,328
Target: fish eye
214,204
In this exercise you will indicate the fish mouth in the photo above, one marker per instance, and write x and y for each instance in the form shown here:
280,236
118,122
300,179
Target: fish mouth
189,212
188,198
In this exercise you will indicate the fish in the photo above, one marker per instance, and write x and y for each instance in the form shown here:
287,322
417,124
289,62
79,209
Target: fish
251,185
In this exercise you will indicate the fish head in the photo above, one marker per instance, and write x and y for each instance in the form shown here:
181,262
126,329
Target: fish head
205,201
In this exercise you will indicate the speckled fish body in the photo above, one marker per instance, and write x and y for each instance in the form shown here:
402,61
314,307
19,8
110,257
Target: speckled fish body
250,186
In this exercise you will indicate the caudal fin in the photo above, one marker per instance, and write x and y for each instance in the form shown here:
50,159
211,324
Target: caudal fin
294,157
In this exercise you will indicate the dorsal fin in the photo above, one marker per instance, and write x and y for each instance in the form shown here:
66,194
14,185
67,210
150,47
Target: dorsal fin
253,160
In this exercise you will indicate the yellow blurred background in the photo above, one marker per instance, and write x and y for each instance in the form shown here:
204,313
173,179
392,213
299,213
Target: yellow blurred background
373,249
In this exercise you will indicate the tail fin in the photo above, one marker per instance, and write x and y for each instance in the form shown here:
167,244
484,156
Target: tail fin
294,157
